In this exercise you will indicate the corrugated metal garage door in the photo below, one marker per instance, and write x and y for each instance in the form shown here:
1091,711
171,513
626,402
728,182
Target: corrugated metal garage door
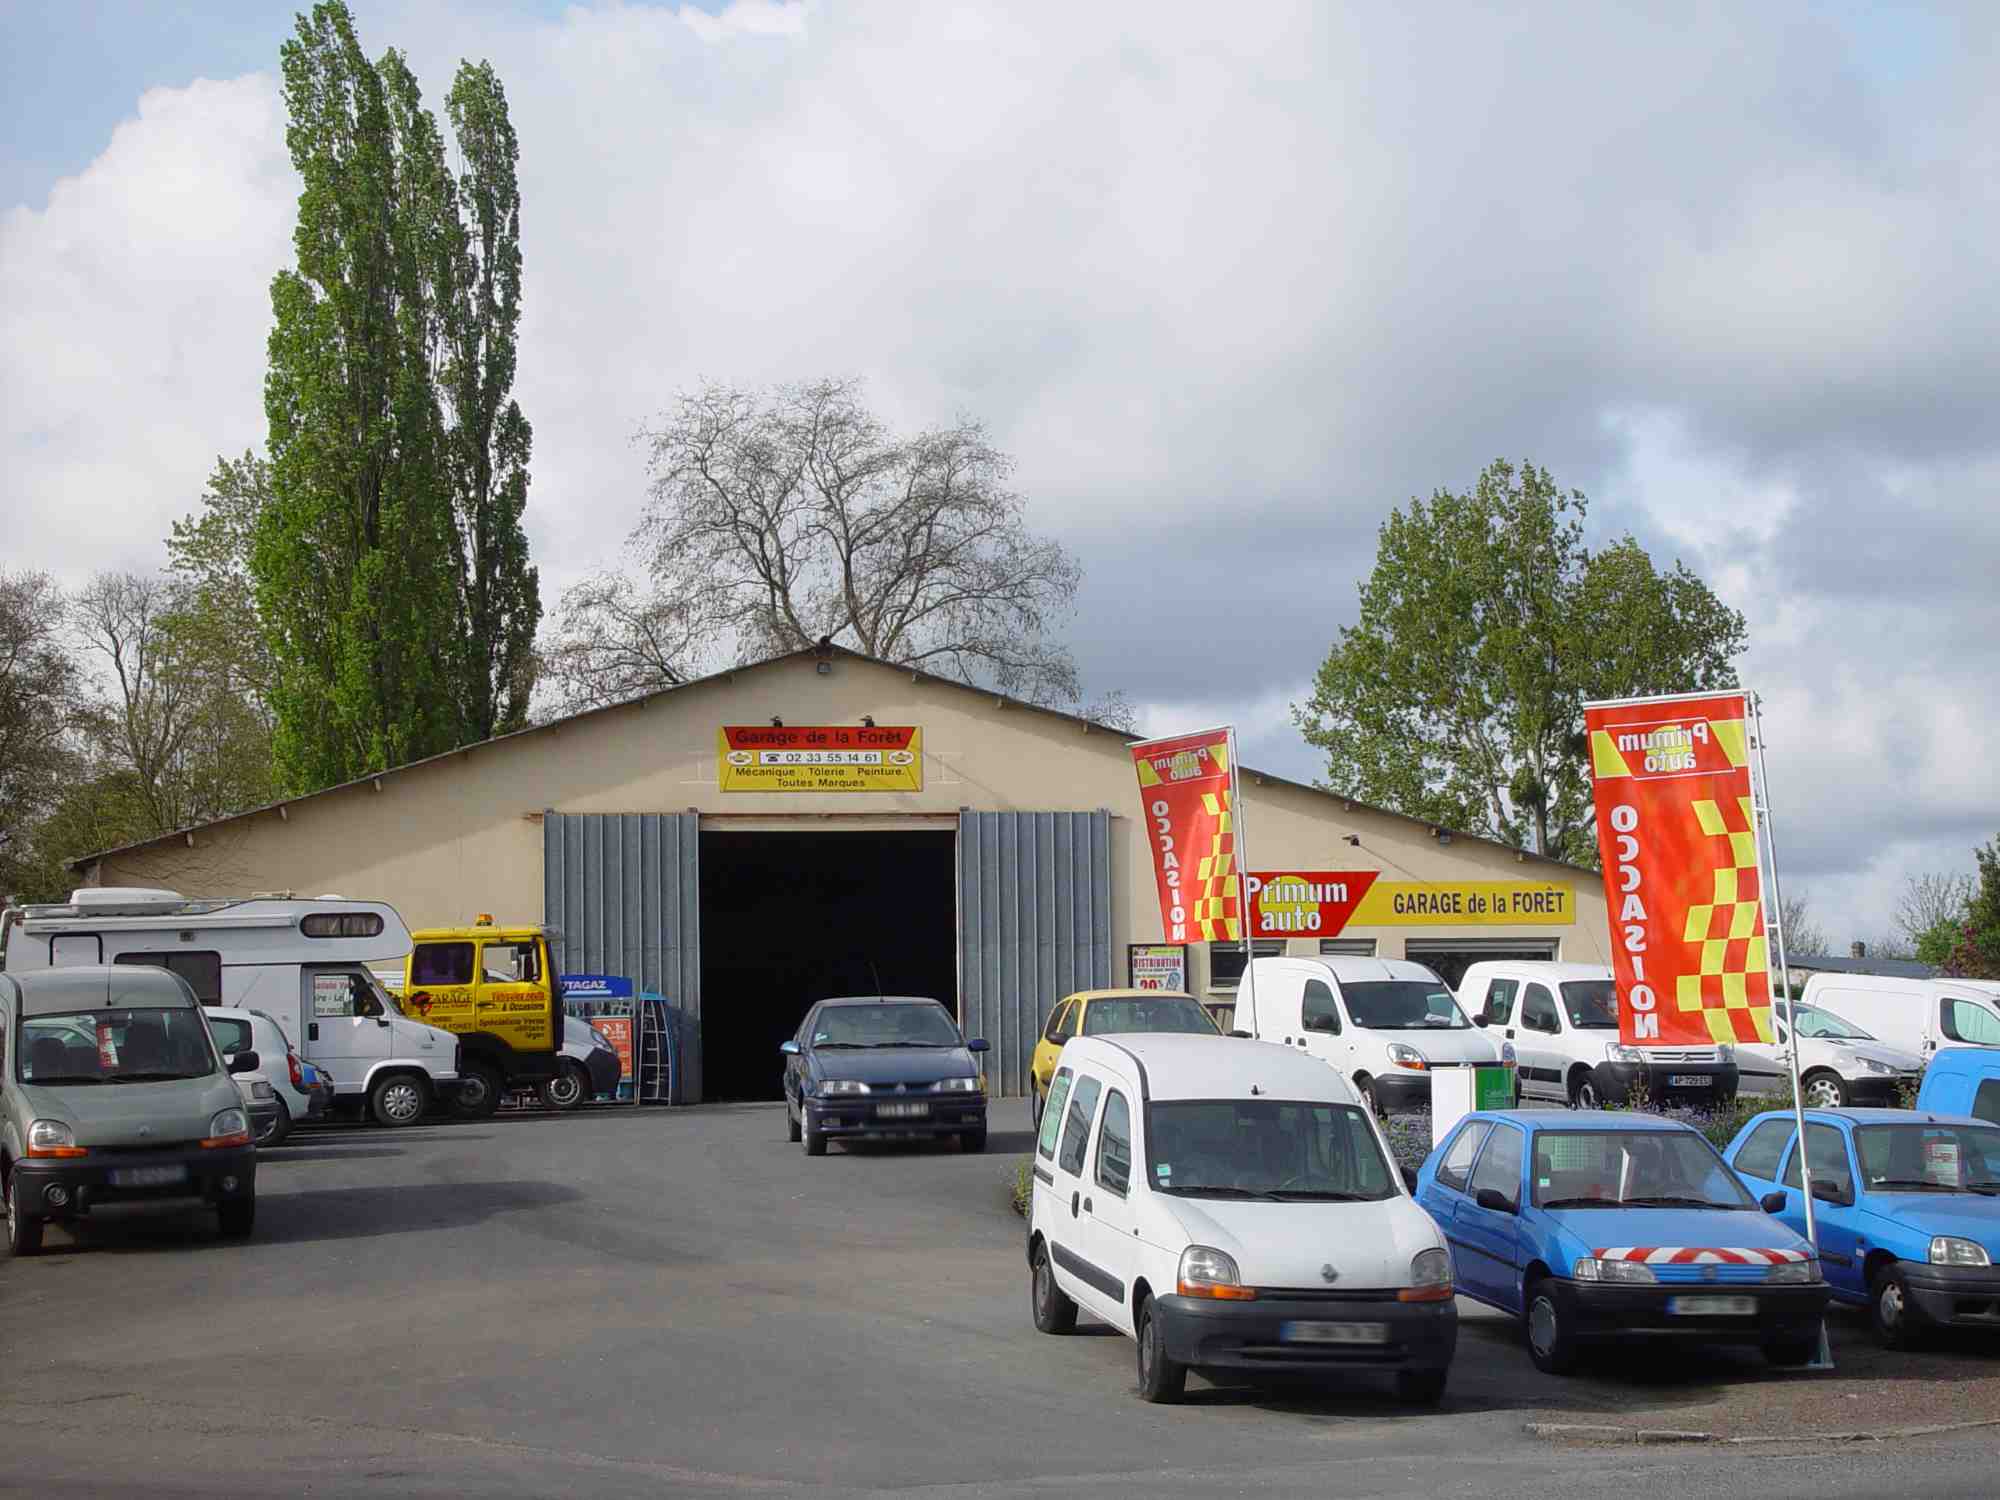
1034,925
623,889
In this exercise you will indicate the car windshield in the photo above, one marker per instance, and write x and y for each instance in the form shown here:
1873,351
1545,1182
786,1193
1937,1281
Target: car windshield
925,1025
1283,1149
1930,1158
1403,1005
1632,1169
1592,1004
1816,1022
1153,1013
125,1045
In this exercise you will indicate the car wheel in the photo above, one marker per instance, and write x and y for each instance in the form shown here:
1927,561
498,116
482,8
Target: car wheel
1054,1312
1790,1353
399,1099
1550,1343
1420,1387
1365,1087
280,1127
1161,1379
236,1217
815,1140
1898,1324
479,1089
1034,1109
568,1089
1583,1093
1824,1089
972,1141
24,1232
791,1123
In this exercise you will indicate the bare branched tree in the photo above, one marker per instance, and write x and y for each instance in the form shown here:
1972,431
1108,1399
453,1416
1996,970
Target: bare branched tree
1932,899
1804,937
794,515
616,639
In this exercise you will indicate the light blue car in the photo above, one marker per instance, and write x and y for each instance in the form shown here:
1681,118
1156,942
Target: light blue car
1906,1210
1594,1226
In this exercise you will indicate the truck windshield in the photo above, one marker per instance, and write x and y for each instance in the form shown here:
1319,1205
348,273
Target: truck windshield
1403,1005
1283,1149
127,1045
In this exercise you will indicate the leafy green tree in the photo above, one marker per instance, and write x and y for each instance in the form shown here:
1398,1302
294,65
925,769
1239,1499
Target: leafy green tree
1976,952
1484,627
354,552
40,690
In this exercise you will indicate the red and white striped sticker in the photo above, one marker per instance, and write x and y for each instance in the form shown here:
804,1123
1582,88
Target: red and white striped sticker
1690,1255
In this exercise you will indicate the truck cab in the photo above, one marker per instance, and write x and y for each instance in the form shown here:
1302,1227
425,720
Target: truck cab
495,989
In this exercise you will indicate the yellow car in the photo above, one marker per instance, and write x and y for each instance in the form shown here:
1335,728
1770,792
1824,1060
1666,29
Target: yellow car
1104,1012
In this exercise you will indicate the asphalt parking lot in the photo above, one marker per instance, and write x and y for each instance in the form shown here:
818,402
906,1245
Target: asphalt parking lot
622,1302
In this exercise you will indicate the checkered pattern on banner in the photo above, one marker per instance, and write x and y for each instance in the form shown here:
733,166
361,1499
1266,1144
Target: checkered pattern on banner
1217,908
1733,987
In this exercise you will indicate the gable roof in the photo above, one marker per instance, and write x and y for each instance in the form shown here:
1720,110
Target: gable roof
825,651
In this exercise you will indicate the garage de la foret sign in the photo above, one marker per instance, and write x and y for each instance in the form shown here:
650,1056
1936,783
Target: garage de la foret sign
819,758
1320,903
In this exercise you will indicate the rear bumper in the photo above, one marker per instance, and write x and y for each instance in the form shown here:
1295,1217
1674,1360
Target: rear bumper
1599,1312
1958,1296
1615,1080
1265,1336
91,1181
862,1118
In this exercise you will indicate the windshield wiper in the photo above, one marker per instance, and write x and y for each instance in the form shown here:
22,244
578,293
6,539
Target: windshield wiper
64,1078
149,1077
1923,1183
1578,1203
1670,1202
1986,1187
1225,1192
1319,1195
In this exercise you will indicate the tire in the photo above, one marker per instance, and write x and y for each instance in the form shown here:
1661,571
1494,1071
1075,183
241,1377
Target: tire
1898,1324
280,1127
480,1087
1583,1092
399,1099
815,1141
1161,1380
1550,1343
1420,1387
1790,1353
24,1231
1054,1312
236,1218
568,1089
1365,1087
972,1142
1034,1109
1823,1089
791,1123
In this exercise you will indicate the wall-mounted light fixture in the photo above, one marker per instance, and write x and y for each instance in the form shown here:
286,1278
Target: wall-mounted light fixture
825,669
1354,839
1442,835
776,722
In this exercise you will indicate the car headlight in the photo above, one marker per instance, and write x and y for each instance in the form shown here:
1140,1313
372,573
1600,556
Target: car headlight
259,1089
1793,1270
958,1085
1873,1066
842,1086
602,1040
1635,1271
1725,1052
230,1127
1618,1052
52,1138
1947,1250
1430,1278
1206,1272
1405,1056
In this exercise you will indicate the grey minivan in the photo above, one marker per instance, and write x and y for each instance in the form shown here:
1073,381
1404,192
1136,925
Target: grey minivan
114,1093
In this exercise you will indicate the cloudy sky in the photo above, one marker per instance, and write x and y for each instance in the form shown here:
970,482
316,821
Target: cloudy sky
1228,281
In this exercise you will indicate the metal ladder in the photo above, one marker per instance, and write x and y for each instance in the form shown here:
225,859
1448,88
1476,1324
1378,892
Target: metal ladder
654,1083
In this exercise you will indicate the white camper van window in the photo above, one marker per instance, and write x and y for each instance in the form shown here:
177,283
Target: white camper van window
69,948
201,970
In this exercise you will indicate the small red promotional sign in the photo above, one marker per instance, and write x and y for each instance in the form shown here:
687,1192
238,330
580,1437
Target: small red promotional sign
1677,829
618,1031
1187,786
1305,903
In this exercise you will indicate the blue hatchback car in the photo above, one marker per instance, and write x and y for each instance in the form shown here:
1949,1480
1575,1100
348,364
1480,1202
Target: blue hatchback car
1906,1209
1594,1225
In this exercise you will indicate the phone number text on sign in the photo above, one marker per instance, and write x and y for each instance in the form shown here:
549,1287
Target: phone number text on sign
819,758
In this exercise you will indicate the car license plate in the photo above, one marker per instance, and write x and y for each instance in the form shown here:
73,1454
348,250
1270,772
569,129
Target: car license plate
147,1176
1333,1333
1712,1307
902,1111
1690,1081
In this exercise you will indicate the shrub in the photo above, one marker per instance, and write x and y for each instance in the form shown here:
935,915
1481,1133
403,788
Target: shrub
1021,1190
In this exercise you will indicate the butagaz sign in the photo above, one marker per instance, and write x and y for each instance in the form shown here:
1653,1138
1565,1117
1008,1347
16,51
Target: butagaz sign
819,758
1320,903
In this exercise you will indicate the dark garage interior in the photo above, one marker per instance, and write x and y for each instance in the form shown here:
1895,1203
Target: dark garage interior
791,918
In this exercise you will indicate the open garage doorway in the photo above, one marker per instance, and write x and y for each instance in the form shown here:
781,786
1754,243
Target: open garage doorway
788,919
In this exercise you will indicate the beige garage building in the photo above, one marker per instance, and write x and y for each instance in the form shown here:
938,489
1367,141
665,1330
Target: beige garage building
864,827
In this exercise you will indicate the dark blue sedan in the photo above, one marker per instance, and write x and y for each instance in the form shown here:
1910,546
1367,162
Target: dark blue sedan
893,1065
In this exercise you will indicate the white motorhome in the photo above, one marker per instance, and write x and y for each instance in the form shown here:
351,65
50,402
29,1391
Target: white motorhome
304,962
1918,1015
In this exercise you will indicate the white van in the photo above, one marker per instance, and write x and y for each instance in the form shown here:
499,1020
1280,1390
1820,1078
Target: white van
1386,1024
1562,1020
1232,1207
304,962
1917,1015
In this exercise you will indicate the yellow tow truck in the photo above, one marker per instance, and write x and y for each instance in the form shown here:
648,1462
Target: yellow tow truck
495,989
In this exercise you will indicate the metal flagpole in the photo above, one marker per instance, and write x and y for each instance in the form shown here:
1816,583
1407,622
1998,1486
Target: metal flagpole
1774,927
1242,883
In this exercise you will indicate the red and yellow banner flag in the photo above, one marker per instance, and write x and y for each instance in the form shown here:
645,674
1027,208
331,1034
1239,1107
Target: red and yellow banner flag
1678,834
1186,785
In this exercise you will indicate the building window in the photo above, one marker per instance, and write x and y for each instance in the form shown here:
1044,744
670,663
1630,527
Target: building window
1225,961
1347,947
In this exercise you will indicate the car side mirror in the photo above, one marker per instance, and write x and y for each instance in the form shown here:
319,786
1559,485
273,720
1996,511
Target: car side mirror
1772,1203
242,1062
1410,1178
1494,1199
789,1046
1243,1036
978,1044
1480,1020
